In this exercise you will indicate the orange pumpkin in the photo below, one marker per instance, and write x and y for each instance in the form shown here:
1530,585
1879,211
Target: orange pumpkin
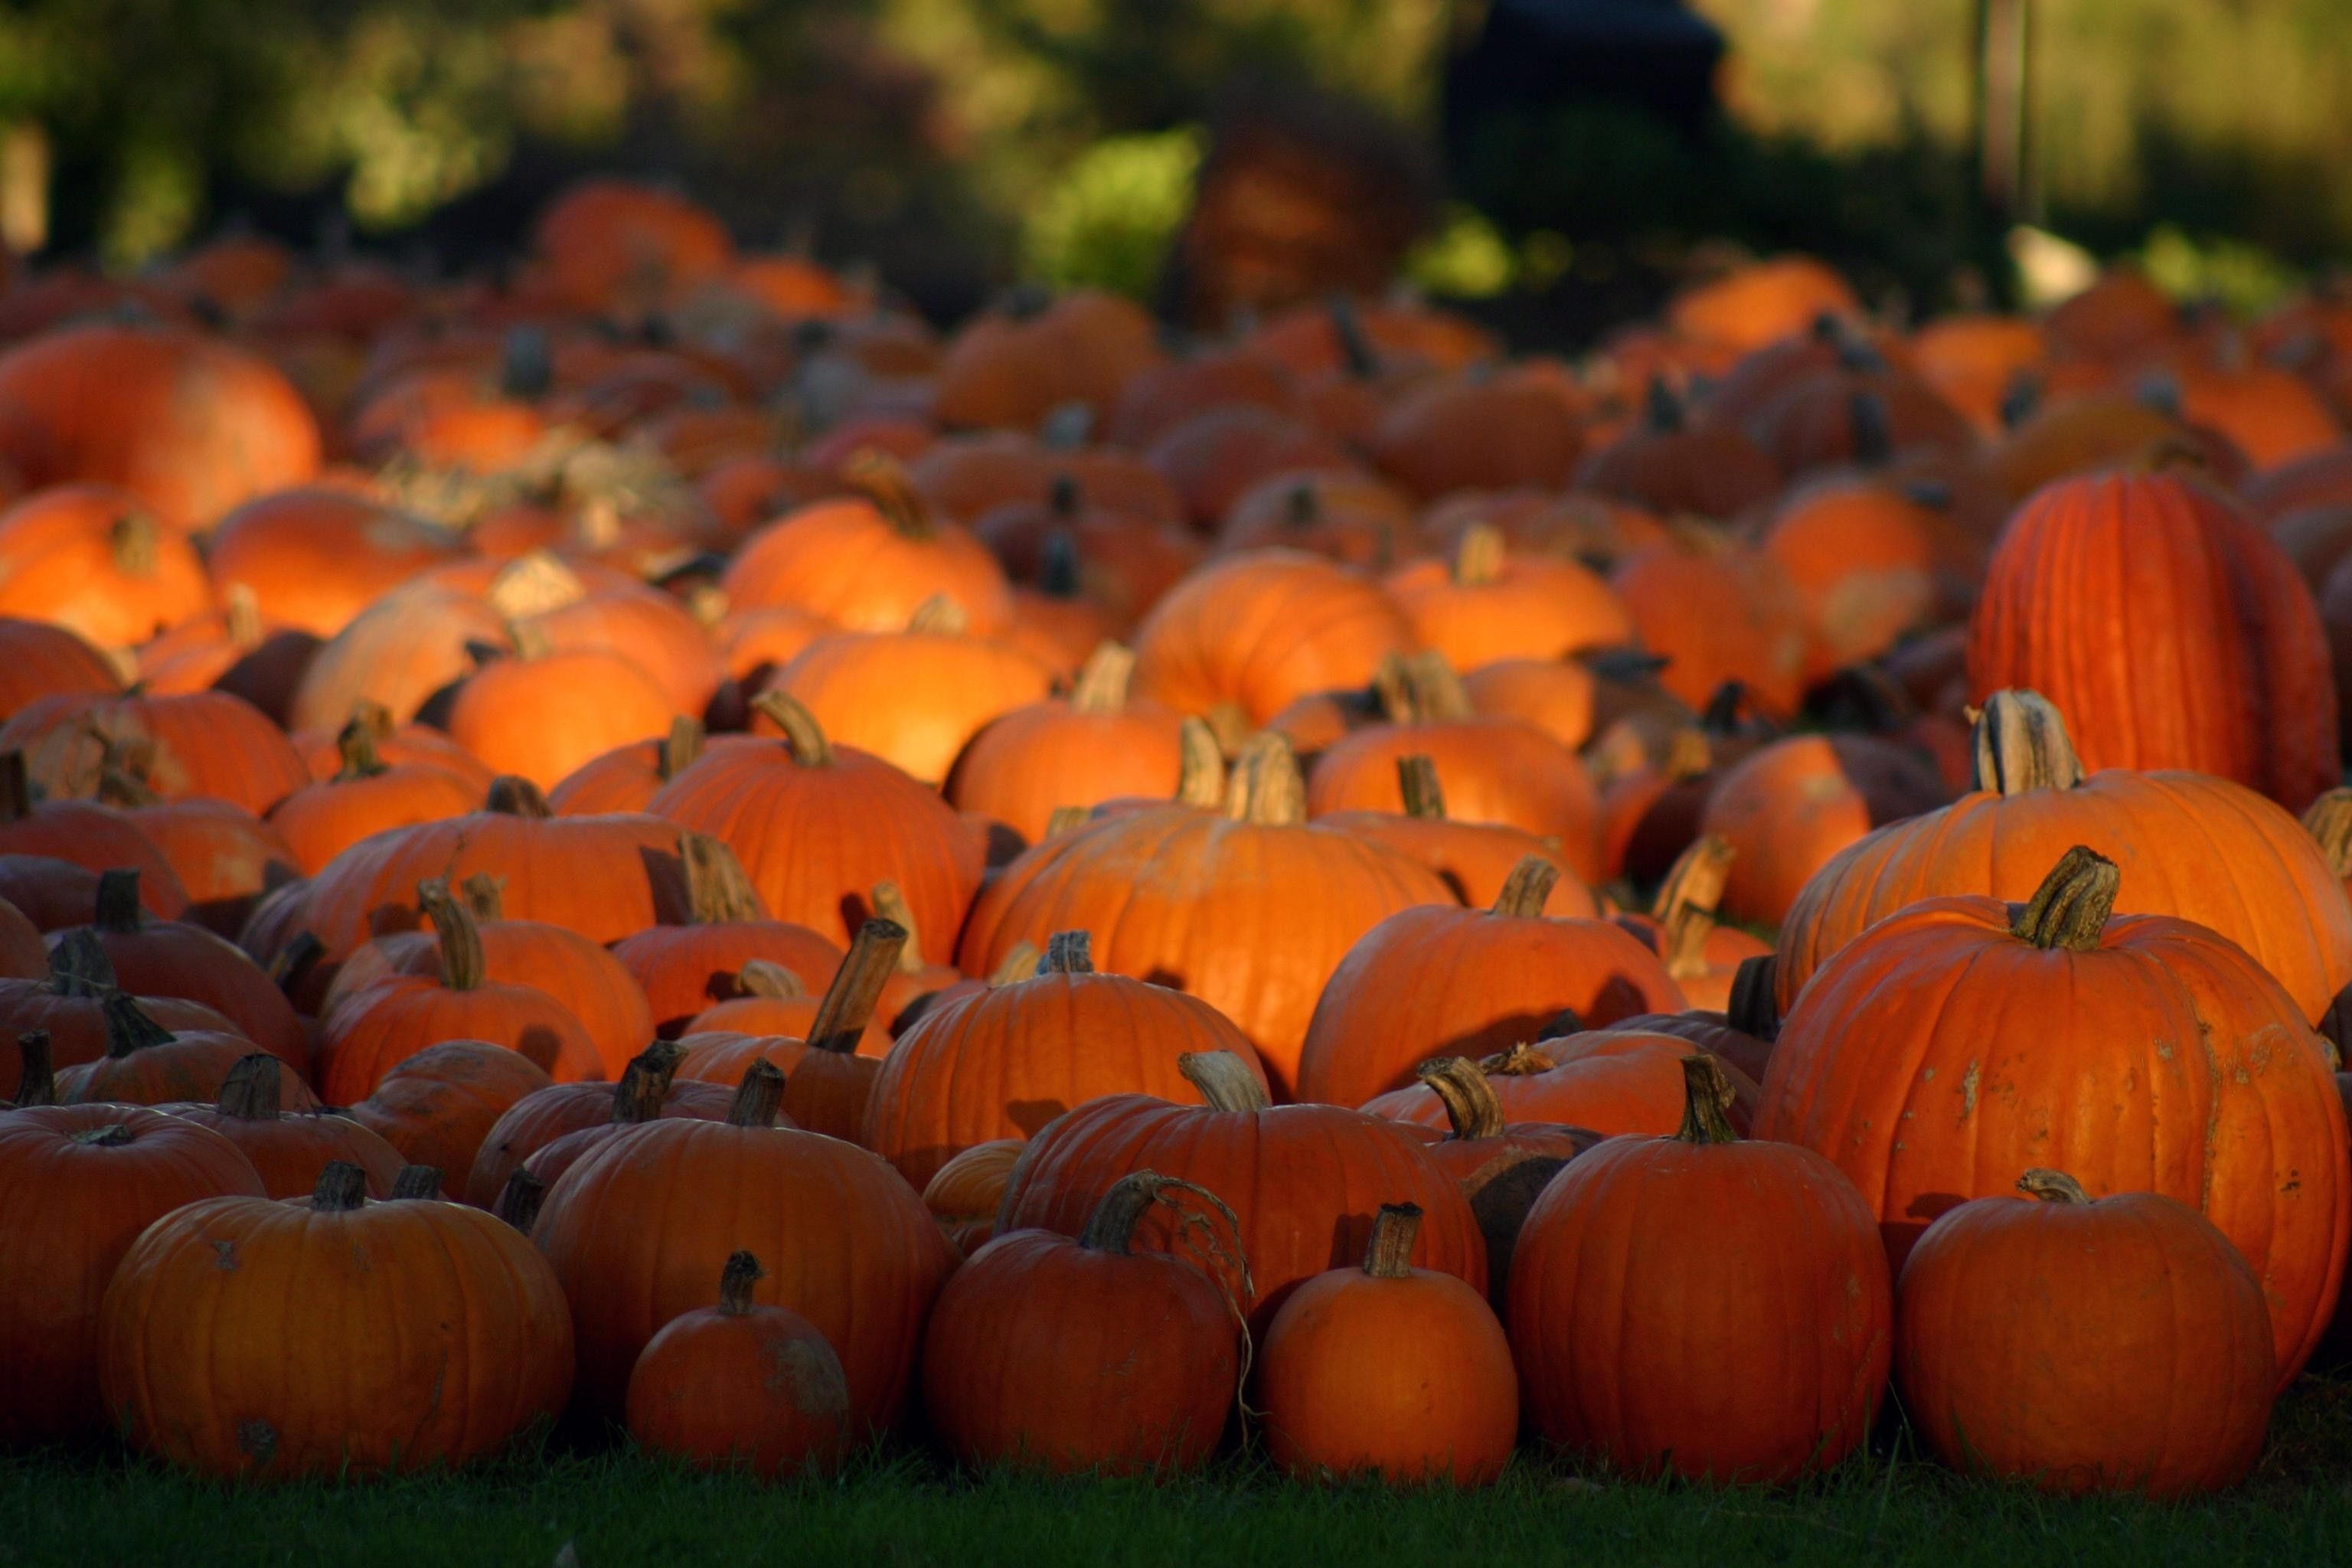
1717,610
1488,604
95,561
1788,809
314,558
291,1152
367,795
439,1106
617,248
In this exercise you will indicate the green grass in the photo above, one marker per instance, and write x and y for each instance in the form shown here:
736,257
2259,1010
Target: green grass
618,1508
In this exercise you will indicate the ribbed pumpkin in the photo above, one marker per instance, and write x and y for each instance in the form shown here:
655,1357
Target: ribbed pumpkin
1500,1165
866,562
147,1064
291,1152
367,795
643,1090
2170,629
2198,848
38,659
2024,1331
1251,634
68,1004
314,557
637,1230
1085,1355
1671,467
1250,909
815,826
1963,1041
377,1027
437,1107
1656,1274
398,653
1556,696
449,1368
684,969
1006,1060
1478,431
1091,746
741,1386
78,1183
95,561
1863,557
1388,1370
170,958
96,837
1487,604
1303,1179
1717,610
1788,809
967,1192
1473,858
1611,1081
199,742
1453,981
542,717
228,859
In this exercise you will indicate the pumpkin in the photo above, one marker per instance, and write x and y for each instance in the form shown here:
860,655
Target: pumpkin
1669,466
684,969
1487,606
168,958
398,653
313,558
78,1185
396,745
197,743
2169,628
1216,458
375,1029
1717,610
636,1230
1760,303
2024,1329
1084,1354
231,649
617,247
1250,909
190,424
22,953
663,638
227,858
147,1064
1166,394
68,1004
1255,632
291,1152
2056,1031
1556,696
1347,516
628,776
367,795
38,659
94,560
437,1106
1788,809
964,1194
1091,746
1389,1370
1455,981
1863,560
1477,432
816,825
541,717
1475,859
2200,848
1637,1303
472,1350
1305,1178
1611,1081
584,1114
1702,956
1006,1060
741,1386
1015,365
1499,1164
2271,415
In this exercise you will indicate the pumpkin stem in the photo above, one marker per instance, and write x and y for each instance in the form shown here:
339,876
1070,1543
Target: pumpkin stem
293,963
681,748
1266,788
2021,744
342,1187
537,582
1069,953
1438,695
1059,568
1521,1060
518,1203
36,1078
718,892
1389,1256
485,896
1201,767
1224,1081
1356,351
644,1082
1527,888
1471,1104
1685,907
941,615
113,1135
118,900
1391,690
735,1281
1065,820
1021,962
766,977
882,480
890,904
1873,429
2052,1187
759,1096
1424,797
849,1002
129,1028
78,965
2071,906
1102,683
1065,498
1478,558
374,717
15,787
802,734
355,744
252,1091
1707,1095
1111,1227
416,1183
1755,1001
135,543
1662,409
2329,822
511,796
464,965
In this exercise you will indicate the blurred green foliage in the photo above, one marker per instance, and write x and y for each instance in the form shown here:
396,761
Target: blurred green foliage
1109,221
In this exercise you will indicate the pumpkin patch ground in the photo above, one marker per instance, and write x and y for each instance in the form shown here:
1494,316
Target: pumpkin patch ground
655,909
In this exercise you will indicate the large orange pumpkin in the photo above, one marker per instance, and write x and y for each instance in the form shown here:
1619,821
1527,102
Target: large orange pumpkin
1093,745
93,559
315,557
439,1106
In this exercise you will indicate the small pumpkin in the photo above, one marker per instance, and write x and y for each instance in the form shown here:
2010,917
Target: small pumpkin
964,1194
147,1064
439,1106
291,1152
